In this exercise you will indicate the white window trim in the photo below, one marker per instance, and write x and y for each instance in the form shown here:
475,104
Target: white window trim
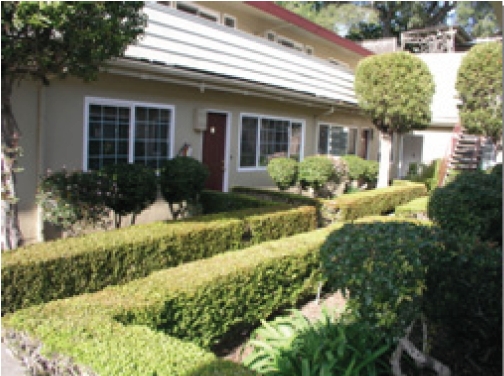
346,128
124,103
258,146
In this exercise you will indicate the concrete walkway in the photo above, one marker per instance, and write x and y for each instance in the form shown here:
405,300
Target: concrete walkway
11,366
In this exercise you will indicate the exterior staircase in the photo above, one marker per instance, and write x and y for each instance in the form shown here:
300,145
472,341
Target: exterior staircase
464,154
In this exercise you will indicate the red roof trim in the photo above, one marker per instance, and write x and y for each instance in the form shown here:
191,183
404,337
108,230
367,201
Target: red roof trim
277,11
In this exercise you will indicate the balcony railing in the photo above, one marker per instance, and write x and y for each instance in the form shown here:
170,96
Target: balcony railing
181,40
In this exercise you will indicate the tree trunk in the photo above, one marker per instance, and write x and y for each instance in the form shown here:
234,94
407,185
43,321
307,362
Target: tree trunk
385,150
11,233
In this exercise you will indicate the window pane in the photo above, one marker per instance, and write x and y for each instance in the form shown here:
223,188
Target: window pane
152,129
274,140
337,141
108,131
248,142
323,144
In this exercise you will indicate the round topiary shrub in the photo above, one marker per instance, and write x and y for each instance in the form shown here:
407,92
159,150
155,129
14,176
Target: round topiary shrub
356,166
129,189
315,171
283,171
470,204
181,180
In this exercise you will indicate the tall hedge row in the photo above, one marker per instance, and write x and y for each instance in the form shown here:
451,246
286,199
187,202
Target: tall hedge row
123,329
67,267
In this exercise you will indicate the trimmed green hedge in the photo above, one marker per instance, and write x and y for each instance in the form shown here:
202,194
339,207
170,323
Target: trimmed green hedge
373,202
63,268
217,202
348,207
413,208
122,329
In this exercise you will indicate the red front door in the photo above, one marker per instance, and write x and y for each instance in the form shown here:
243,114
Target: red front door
214,149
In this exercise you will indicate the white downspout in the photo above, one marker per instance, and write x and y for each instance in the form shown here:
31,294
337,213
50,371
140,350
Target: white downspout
400,156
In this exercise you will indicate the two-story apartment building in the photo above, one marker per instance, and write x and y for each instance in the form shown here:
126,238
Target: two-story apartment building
230,83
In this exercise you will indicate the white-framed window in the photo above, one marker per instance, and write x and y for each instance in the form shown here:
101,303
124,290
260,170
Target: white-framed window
127,132
337,140
229,21
263,137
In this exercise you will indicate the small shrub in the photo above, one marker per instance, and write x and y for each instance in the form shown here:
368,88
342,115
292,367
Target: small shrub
371,172
315,171
293,346
471,204
356,166
73,200
427,174
361,170
129,189
283,171
181,181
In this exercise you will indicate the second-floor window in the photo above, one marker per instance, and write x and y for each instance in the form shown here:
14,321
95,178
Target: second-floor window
127,132
264,137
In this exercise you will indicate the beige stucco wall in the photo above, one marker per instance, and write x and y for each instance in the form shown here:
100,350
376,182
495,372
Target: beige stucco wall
62,119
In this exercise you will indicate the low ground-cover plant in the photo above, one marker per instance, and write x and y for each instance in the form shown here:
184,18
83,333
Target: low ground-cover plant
128,189
292,345
63,268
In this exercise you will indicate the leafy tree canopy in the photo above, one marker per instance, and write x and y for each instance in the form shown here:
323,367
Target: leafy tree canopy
477,18
41,39
479,83
359,20
395,90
